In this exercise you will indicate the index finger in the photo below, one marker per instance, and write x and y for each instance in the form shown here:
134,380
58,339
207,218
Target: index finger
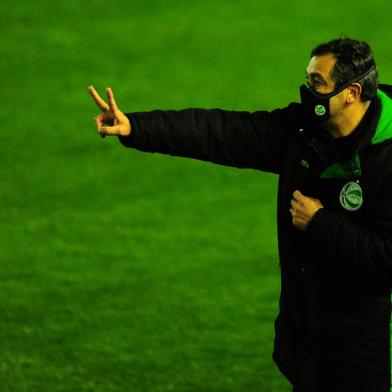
98,100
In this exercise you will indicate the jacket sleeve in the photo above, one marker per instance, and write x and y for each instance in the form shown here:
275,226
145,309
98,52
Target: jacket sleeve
232,138
365,248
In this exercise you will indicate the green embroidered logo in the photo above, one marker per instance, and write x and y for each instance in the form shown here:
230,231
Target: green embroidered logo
305,164
351,197
320,110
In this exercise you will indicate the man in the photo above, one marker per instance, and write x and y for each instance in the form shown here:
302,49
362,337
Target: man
333,155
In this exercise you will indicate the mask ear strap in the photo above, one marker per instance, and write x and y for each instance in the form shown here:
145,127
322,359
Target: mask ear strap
356,79
340,89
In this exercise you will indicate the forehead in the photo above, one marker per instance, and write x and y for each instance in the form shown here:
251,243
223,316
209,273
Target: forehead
322,64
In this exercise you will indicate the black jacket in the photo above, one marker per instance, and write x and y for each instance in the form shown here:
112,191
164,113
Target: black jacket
333,329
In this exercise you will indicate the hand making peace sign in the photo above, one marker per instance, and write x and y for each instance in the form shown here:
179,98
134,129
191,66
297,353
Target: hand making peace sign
111,121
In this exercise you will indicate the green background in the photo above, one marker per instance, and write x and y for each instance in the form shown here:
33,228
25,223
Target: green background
126,271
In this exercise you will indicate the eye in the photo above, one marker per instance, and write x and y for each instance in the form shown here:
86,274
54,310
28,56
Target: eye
313,81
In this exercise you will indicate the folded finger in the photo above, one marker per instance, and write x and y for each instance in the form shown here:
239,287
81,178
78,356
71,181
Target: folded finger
295,204
297,213
98,121
115,130
98,100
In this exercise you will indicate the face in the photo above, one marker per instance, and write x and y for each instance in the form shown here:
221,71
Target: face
318,73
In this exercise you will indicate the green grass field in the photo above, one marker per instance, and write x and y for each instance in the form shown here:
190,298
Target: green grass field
124,271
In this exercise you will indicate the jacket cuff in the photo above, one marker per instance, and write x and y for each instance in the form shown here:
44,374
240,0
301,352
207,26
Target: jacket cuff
129,141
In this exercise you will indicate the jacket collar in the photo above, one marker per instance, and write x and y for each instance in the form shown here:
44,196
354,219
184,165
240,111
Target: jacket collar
375,128
384,126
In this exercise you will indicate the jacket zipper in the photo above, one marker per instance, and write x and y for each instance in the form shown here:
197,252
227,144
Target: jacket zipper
309,142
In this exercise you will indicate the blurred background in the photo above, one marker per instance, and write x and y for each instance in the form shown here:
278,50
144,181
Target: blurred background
127,271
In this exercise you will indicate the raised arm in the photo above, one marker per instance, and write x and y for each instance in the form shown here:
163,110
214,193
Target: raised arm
232,138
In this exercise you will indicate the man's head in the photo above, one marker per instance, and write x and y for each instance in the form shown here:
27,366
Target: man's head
343,60
342,77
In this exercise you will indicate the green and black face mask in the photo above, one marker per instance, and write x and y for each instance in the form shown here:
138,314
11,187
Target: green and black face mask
316,106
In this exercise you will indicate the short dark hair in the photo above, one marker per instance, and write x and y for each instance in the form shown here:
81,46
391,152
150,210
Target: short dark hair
353,58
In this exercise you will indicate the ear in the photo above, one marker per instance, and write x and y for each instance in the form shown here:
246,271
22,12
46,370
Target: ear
354,93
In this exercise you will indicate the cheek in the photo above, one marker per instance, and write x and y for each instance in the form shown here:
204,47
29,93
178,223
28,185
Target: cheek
337,103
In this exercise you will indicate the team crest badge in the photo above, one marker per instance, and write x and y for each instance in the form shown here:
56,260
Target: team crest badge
320,110
351,197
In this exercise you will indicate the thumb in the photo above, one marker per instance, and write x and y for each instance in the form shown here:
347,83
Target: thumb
298,196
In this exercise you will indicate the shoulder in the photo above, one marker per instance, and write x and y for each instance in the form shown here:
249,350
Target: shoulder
287,118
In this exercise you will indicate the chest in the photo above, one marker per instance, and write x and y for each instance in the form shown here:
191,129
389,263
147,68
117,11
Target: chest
350,189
